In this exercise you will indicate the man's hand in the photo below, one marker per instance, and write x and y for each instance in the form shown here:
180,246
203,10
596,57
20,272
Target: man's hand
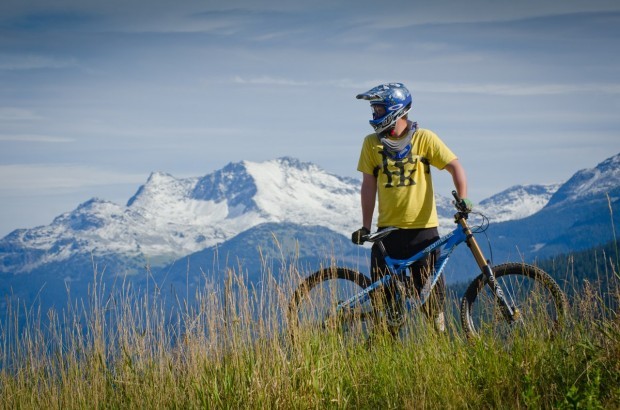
357,237
467,204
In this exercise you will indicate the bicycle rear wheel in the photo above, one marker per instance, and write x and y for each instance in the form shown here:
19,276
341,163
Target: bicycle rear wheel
313,305
541,304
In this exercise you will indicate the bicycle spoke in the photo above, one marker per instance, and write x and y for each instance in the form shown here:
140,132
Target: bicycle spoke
315,308
535,298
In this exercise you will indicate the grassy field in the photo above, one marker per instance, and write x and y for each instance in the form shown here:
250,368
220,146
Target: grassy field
229,350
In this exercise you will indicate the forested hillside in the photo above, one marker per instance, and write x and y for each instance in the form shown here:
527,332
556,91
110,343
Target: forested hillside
598,267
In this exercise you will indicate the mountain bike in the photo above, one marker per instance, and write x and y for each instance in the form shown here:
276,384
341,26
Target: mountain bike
501,300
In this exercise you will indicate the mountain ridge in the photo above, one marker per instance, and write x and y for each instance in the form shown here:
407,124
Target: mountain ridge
589,182
169,218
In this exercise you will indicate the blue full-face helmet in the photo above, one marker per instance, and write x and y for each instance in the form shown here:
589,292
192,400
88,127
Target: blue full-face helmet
394,98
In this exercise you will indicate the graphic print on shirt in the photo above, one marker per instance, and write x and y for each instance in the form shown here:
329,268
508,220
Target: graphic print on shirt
400,173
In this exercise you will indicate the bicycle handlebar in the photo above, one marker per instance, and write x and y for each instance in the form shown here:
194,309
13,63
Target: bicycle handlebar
376,236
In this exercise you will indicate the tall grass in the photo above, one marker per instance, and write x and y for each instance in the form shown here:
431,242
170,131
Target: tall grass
124,348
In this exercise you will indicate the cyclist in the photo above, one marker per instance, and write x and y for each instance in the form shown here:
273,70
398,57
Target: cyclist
395,162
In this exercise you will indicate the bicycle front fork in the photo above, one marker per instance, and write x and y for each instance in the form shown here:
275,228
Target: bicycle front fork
510,313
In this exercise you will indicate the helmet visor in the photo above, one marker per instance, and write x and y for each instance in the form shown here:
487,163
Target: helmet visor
378,111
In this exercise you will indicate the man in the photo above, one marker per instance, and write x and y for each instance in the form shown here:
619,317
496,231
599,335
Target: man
396,165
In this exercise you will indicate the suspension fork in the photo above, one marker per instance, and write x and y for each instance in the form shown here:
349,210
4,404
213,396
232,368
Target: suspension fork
511,314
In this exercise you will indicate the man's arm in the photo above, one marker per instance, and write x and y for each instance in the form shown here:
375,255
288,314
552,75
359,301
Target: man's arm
369,195
458,176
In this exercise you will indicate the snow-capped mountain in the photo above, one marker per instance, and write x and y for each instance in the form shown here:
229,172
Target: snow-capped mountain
517,202
169,217
580,215
587,183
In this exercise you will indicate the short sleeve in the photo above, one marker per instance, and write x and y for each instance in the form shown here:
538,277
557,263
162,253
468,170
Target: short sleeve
438,154
366,163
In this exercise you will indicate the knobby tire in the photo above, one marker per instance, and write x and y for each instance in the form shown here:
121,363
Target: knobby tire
540,300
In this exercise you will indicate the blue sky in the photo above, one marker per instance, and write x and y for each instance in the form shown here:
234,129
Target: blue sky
96,95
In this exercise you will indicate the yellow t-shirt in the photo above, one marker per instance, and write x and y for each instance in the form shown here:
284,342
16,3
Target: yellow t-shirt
405,187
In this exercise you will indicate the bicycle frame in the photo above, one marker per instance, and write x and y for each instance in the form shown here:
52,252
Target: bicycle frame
447,244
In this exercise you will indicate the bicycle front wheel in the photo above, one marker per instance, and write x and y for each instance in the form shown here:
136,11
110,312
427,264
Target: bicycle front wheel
540,303
313,305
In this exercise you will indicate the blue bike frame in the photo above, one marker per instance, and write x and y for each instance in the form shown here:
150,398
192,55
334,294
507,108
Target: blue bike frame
399,266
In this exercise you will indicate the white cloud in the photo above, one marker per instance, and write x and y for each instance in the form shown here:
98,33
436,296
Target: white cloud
445,87
377,16
288,82
29,62
267,80
26,178
34,138
519,89
17,114
231,16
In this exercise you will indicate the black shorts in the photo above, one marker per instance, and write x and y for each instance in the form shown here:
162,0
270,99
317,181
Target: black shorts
404,243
